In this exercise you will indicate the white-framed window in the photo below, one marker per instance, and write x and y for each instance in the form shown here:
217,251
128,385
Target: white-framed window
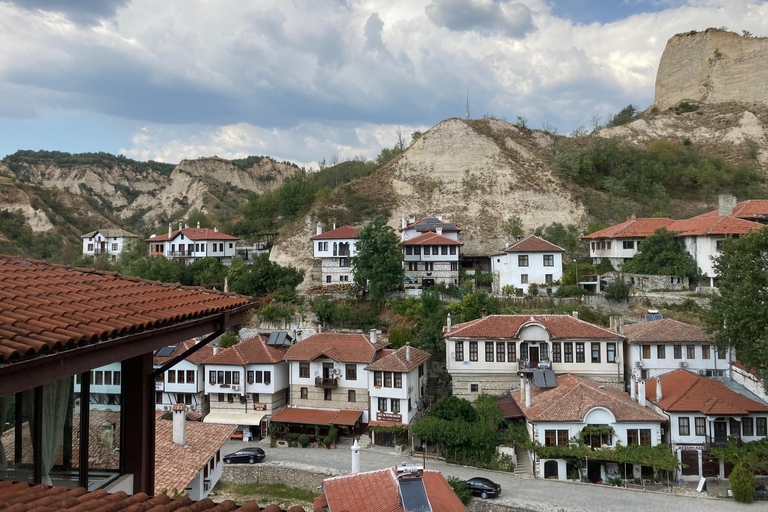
523,278
474,387
628,244
549,260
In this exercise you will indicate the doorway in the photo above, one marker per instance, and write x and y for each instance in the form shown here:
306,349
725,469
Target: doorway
533,356
327,370
594,474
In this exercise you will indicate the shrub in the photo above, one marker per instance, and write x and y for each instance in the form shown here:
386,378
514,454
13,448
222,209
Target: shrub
533,290
742,483
605,266
303,440
570,290
618,290
327,441
460,489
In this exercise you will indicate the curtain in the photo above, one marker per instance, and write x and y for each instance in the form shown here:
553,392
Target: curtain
55,401
4,404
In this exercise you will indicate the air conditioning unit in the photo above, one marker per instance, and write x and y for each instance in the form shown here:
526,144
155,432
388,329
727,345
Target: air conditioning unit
410,388
235,388
166,407
638,363
701,372
683,364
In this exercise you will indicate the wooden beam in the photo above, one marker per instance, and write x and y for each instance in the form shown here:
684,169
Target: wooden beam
85,425
138,428
37,435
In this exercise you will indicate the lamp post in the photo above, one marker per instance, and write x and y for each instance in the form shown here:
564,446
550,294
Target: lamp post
576,266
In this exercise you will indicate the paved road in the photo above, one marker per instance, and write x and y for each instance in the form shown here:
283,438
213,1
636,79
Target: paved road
534,494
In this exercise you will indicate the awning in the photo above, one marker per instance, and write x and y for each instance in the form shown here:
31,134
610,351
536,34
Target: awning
306,416
234,418
347,417
386,424
509,408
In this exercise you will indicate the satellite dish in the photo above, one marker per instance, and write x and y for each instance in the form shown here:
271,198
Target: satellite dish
317,373
294,327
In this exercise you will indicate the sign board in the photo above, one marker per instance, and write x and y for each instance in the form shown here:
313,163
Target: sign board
702,485
388,416
159,385
259,407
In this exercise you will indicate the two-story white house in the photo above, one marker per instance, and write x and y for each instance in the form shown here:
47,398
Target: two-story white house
662,346
335,250
529,260
190,244
489,355
248,382
619,243
431,250
110,241
105,387
554,415
184,382
703,413
397,381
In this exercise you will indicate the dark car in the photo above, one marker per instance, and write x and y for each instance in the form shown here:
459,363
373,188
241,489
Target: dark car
249,455
483,487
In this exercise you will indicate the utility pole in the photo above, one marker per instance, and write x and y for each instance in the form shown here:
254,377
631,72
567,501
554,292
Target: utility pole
467,114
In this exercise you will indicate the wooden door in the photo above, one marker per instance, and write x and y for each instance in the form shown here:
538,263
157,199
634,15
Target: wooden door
327,370
690,458
710,466
533,355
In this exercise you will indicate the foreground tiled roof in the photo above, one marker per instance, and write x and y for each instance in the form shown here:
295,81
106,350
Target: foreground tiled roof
111,233
631,228
397,361
46,308
338,233
574,397
699,226
22,496
532,243
509,408
194,234
684,391
197,357
344,348
378,491
752,209
308,416
431,238
509,326
253,350
176,465
665,330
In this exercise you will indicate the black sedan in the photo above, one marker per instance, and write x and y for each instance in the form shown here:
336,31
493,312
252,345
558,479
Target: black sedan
249,455
483,487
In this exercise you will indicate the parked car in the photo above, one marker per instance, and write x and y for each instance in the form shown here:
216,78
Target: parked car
249,455
483,487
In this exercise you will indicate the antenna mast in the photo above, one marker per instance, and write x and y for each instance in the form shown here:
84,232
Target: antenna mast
467,114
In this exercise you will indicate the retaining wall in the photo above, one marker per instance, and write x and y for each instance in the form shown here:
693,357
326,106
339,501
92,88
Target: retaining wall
269,474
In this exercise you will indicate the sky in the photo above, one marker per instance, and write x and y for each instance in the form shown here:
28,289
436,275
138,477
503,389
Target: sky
306,80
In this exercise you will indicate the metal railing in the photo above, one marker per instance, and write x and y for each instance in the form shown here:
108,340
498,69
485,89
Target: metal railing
321,382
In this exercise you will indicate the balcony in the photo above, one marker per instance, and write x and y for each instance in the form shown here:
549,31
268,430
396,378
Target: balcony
100,250
721,441
179,254
530,366
326,383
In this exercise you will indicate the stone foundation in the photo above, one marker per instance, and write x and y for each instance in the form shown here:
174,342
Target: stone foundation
265,473
494,384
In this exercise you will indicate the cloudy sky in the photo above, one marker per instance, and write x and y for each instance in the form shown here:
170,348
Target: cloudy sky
303,80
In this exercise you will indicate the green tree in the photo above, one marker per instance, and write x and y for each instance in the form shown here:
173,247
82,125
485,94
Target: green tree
618,290
661,254
197,216
514,226
453,408
460,488
155,268
228,339
263,277
430,327
205,272
742,482
378,258
325,311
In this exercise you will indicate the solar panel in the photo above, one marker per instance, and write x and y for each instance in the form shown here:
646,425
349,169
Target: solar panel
277,338
414,495
550,379
538,379
166,351
650,317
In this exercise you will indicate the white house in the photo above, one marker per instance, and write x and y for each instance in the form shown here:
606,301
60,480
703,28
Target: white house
184,382
105,387
110,241
702,413
190,244
335,250
488,355
248,382
662,346
432,259
556,414
529,260
619,243
397,381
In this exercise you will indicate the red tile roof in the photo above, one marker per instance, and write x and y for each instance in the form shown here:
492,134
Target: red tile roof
665,330
631,228
396,361
338,233
23,496
431,238
344,348
747,210
533,243
46,308
176,465
253,350
509,408
194,234
194,358
509,326
699,226
308,416
378,491
684,391
575,396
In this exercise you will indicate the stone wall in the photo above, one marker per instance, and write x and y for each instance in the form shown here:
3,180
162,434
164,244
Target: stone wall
308,479
493,384
441,272
335,270
649,282
340,399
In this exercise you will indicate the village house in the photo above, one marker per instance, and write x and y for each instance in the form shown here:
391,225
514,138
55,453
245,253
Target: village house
431,250
110,241
184,382
335,250
619,243
529,260
702,413
488,355
190,244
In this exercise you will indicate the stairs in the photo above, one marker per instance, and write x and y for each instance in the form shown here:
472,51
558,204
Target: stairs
523,462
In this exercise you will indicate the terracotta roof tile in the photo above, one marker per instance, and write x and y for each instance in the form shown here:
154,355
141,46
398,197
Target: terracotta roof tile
194,234
349,348
687,392
45,307
533,243
509,326
253,350
699,226
575,396
304,415
431,238
665,330
751,209
338,233
110,233
631,228
194,358
396,361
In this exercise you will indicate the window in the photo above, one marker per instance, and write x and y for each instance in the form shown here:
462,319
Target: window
454,266
171,377
351,372
645,437
474,387
556,438
115,378
180,379
222,397
549,260
459,351
255,397
453,250
444,250
227,377
719,245
523,278
398,380
387,379
639,436
611,352
304,393
684,426
488,351
721,354
409,405
90,248
548,278
212,377
257,376
629,244
249,376
221,247
760,427
328,279
382,405
408,250
500,352
524,350
230,397
562,438
327,394
107,378
632,436
596,352
351,396
114,247
580,352
235,378
511,351
661,352
473,351
417,251
421,370
556,357
412,265
678,351
522,260
701,427
395,405
435,250
343,262
158,397
377,379
543,350
568,352
190,376
705,352
304,370
429,266
690,351
747,426
646,351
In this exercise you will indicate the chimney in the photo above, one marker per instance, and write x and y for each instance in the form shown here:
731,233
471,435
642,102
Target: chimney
334,225
169,230
408,351
319,229
658,389
179,420
355,457
484,312
620,326
215,229
449,323
403,223
631,217
411,218
506,243
519,237
522,388
439,230
226,284
373,336
633,388
180,226
439,216
576,315
198,224
725,205
641,393
215,349
527,394
186,226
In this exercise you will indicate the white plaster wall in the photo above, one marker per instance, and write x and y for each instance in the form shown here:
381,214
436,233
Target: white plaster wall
316,370
535,270
319,253
217,388
656,366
